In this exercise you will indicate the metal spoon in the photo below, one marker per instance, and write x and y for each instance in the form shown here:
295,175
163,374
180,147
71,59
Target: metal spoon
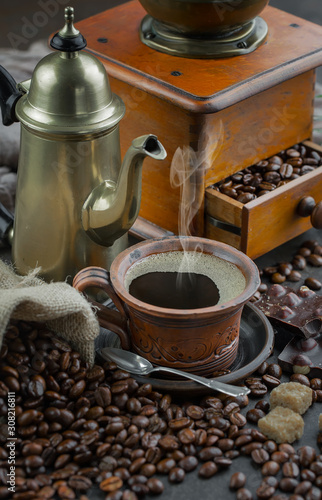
133,363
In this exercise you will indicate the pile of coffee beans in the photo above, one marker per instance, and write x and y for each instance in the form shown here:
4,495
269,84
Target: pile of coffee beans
79,427
267,175
307,257
285,472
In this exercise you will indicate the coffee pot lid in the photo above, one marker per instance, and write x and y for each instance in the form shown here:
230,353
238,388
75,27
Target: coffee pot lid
69,91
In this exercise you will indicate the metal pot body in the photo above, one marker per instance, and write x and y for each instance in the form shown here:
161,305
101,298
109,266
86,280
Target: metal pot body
56,174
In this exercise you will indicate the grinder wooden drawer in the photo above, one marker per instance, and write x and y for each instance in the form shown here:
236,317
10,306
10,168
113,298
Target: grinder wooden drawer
266,222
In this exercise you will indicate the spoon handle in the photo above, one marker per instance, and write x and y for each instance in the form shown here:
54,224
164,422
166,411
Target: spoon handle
231,390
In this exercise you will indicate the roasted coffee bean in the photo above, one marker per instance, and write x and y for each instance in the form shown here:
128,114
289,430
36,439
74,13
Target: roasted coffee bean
316,384
288,484
148,470
153,455
195,412
262,369
187,436
237,480
270,446
243,440
302,488
136,465
271,381
299,262
225,444
209,453
137,479
169,443
286,170
266,186
237,419
244,494
280,456
80,483
313,283
313,494
33,461
262,405
265,491
263,288
287,448
66,446
260,456
179,423
165,465
208,469
290,469
270,468
31,449
231,454
116,495
111,484
316,467
317,250
37,386
305,252
140,489
248,448
127,495
269,271
275,160
308,475
188,463
275,370
176,475
254,415
294,276
318,395
245,197
315,260
300,378
77,389
155,486
273,177
278,278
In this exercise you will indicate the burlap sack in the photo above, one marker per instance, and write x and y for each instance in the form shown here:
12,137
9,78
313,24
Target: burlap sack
64,310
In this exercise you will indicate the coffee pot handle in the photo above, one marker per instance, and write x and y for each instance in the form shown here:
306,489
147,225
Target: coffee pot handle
9,95
116,321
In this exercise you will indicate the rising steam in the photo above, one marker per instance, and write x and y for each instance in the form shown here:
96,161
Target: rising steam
188,170
187,173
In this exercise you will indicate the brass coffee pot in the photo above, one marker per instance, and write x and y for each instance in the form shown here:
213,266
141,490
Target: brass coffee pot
75,197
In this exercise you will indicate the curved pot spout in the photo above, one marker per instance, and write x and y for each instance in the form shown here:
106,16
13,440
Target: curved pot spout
112,208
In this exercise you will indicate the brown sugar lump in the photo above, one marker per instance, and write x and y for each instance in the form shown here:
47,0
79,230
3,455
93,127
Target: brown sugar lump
320,422
297,397
282,425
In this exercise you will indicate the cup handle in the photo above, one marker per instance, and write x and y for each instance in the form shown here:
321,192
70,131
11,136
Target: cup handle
116,321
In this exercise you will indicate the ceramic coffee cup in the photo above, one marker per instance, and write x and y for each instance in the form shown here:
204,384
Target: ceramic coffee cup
192,324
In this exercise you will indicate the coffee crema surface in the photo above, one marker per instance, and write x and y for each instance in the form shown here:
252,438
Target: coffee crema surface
184,280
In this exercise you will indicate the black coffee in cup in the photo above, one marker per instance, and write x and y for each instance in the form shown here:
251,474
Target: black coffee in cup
175,290
179,280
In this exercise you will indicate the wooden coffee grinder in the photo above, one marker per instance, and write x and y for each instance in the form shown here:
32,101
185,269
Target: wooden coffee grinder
232,109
